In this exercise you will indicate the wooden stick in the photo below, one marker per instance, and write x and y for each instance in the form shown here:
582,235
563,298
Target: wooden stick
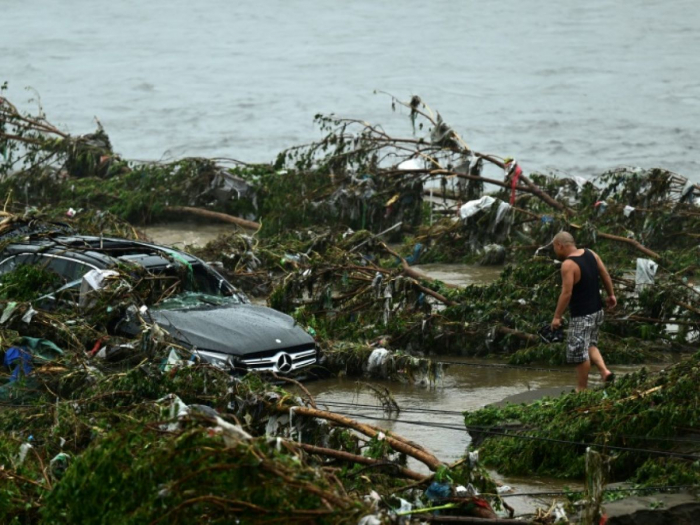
354,458
411,272
297,383
214,215
517,333
631,242
394,442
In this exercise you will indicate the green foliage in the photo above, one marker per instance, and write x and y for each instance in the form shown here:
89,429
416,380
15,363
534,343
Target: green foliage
138,475
27,282
638,412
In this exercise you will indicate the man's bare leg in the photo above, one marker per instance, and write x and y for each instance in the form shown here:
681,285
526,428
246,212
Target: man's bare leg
597,360
582,370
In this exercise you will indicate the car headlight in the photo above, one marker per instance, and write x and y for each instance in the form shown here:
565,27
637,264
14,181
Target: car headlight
222,361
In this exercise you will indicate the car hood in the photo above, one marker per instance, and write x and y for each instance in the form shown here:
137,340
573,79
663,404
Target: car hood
233,329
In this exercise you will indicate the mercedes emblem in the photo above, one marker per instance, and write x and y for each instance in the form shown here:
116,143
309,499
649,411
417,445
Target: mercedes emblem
284,363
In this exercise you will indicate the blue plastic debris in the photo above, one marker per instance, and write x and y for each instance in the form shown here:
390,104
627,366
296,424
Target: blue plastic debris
437,491
21,359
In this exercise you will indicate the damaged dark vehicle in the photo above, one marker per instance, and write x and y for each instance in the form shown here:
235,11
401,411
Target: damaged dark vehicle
206,314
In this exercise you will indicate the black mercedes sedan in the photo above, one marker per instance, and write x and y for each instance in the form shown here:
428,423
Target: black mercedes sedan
207,314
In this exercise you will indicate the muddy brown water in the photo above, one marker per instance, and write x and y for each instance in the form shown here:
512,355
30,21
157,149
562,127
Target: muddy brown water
431,414
186,233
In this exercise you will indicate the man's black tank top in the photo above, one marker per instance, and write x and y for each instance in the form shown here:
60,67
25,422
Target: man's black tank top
585,298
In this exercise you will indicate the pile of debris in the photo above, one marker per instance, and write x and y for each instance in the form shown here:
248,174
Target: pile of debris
80,405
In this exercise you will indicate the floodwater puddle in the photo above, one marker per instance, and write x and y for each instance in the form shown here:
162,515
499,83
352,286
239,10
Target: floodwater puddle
432,415
461,274
186,233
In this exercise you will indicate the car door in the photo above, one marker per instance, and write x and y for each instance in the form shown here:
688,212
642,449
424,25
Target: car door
70,269
11,263
71,272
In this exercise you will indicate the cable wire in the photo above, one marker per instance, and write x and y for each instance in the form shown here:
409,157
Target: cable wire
533,438
501,365
458,413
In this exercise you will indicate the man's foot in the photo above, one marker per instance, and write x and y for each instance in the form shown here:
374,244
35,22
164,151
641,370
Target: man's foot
609,379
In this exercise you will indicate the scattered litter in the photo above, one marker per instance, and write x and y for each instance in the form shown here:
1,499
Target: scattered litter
28,315
438,491
378,361
8,311
58,464
23,451
646,272
473,207
92,282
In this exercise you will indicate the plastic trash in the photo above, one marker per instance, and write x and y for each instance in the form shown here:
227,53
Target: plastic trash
377,283
23,451
494,255
71,213
475,206
8,311
560,513
410,164
405,507
173,361
646,272
415,256
513,172
376,364
503,208
466,492
28,315
20,359
628,210
438,491
59,464
688,192
373,499
93,281
504,489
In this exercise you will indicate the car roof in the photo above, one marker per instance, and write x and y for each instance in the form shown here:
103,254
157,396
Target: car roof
101,251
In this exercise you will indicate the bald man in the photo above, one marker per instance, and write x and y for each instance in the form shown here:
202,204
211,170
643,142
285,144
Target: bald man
581,272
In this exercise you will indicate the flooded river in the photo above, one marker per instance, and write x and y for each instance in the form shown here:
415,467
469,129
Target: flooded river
573,86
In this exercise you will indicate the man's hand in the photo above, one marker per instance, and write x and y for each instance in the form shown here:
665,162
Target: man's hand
611,301
556,323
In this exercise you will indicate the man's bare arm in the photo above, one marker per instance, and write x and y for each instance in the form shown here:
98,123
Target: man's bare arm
607,281
567,287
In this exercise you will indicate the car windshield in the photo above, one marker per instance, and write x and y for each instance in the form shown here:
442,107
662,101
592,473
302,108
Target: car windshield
192,286
187,300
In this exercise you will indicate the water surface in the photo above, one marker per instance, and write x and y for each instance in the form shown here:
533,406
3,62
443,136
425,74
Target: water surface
575,86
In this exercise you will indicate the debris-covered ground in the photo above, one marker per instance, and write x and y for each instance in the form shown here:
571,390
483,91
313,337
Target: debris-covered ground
329,233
